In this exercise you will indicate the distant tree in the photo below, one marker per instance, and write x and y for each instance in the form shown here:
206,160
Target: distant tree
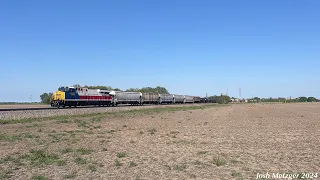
157,89
45,98
222,99
312,99
303,99
76,86
117,89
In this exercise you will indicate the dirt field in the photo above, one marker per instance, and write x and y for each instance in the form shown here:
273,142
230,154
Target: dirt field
223,142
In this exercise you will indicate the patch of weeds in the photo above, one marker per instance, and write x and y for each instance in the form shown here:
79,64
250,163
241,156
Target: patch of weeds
61,163
103,141
118,163
62,121
124,126
84,151
69,176
132,141
104,149
6,174
80,161
122,154
53,131
202,152
16,137
219,161
234,161
39,178
92,168
39,130
111,131
236,174
97,119
54,138
6,159
152,131
180,167
141,132
41,157
81,123
96,127
32,125
133,164
99,136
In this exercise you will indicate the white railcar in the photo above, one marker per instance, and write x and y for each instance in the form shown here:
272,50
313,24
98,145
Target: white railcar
178,98
120,97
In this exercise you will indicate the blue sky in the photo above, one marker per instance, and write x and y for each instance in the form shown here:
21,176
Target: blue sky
266,48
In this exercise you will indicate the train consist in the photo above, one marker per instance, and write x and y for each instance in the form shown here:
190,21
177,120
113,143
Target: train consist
71,96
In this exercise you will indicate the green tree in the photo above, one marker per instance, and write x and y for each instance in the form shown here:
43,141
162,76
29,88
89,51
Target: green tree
303,99
45,98
312,99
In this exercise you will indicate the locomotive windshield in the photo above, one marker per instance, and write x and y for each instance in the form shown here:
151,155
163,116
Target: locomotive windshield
63,89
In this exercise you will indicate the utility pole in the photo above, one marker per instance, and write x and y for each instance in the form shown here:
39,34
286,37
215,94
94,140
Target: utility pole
30,98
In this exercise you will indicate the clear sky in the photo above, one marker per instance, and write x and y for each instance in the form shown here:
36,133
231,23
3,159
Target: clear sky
266,48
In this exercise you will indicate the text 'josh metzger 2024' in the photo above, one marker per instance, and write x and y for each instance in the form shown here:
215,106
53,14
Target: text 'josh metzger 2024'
287,175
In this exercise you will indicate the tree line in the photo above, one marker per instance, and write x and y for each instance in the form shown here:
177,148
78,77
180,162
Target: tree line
281,99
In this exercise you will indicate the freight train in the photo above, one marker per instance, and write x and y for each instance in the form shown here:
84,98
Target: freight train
79,96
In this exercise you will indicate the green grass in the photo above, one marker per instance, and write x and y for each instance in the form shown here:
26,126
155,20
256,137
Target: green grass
39,178
236,174
219,161
122,154
6,174
112,114
84,151
69,176
202,152
118,163
80,161
152,131
133,164
180,167
66,150
41,157
12,138
92,168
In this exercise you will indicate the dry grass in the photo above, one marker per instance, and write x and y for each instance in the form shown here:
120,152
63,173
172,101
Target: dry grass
223,142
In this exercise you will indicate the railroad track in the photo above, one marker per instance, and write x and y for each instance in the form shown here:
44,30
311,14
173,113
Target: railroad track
54,108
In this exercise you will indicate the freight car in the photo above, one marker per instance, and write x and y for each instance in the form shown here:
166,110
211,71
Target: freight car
70,96
196,99
166,98
151,98
133,98
178,98
189,99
